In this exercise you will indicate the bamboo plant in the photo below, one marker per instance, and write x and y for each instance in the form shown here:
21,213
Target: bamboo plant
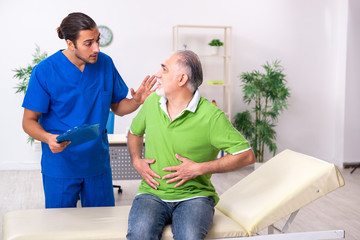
23,75
268,94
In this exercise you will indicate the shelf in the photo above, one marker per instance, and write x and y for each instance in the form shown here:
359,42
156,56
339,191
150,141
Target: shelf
200,26
215,66
215,82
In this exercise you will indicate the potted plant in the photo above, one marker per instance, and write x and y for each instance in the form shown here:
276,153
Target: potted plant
23,75
268,94
215,45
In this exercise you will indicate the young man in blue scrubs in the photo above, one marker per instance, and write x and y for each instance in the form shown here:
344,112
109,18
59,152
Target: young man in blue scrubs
73,87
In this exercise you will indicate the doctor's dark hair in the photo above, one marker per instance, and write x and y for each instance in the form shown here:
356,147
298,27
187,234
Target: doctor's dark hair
73,24
191,62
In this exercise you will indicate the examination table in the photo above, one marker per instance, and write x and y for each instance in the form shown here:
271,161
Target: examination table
278,189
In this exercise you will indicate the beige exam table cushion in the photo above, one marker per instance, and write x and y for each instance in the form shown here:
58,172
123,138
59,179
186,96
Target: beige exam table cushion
281,186
90,223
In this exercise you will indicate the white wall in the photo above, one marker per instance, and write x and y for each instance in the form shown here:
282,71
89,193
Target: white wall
309,37
352,99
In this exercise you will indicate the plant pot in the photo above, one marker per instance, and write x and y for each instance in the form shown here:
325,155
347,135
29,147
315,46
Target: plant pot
257,165
215,50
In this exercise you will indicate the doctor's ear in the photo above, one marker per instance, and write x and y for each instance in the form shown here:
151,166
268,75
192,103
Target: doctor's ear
70,44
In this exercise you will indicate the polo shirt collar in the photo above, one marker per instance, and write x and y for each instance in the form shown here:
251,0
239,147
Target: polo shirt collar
191,106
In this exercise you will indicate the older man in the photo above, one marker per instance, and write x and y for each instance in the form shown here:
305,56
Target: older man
184,134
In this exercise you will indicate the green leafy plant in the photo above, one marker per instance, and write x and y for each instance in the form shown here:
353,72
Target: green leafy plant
23,75
268,94
216,42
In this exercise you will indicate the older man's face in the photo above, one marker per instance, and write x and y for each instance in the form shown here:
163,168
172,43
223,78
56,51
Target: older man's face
168,76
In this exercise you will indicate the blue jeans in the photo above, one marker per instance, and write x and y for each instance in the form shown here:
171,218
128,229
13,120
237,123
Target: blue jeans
190,219
94,191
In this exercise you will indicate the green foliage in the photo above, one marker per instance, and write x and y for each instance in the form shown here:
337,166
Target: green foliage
23,75
268,94
216,42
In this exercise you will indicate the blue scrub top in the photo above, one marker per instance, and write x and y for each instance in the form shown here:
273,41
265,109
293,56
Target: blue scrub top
67,97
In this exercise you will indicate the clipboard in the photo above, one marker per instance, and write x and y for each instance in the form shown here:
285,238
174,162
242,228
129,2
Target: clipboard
79,135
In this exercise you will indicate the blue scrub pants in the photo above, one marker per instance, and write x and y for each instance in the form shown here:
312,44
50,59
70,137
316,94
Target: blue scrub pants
94,191
190,219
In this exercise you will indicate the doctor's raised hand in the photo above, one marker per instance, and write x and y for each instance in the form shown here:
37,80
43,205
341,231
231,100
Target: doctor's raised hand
127,105
144,90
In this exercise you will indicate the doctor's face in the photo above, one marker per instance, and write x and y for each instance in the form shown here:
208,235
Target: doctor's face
87,45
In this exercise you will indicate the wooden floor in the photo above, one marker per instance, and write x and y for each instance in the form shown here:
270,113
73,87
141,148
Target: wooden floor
337,210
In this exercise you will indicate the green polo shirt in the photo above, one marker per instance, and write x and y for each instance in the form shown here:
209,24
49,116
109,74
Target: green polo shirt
198,133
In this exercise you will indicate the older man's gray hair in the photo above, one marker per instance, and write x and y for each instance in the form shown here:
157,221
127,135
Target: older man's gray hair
191,62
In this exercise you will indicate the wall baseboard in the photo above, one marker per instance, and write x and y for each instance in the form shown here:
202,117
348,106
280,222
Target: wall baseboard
350,165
